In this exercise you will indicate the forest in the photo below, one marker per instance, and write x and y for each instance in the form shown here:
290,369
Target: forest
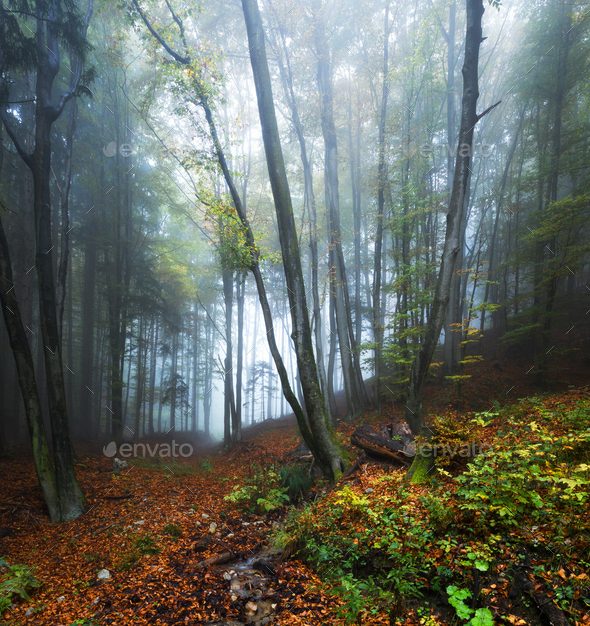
295,304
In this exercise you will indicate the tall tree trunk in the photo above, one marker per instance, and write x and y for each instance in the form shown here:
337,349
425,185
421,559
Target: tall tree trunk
450,342
564,45
173,376
195,408
47,65
323,443
208,375
237,425
499,206
355,183
309,203
228,364
153,353
333,344
65,216
70,356
140,378
352,373
469,118
382,175
318,435
160,404
26,378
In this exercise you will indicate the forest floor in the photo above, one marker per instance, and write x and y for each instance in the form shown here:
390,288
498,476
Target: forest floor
177,551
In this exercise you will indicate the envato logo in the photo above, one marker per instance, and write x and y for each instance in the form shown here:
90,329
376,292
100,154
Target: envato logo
469,449
125,150
164,450
428,150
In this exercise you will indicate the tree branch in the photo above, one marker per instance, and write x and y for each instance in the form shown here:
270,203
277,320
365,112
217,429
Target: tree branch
488,110
210,318
77,72
442,28
179,22
154,32
20,148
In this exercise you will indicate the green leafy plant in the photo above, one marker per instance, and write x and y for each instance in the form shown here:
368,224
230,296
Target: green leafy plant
503,487
482,617
457,597
296,480
479,557
128,561
16,580
374,552
207,466
273,499
146,545
261,492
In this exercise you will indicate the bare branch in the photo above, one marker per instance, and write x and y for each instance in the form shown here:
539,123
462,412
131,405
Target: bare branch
488,110
179,22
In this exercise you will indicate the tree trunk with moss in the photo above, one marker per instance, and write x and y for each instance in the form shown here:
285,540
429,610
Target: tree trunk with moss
26,378
469,118
49,42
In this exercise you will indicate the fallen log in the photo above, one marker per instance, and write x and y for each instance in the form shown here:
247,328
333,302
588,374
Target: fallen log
376,444
218,559
544,603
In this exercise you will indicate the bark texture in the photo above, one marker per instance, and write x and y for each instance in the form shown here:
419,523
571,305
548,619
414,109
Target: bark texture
469,118
323,442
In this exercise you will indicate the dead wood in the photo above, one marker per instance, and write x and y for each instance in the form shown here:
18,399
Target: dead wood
545,604
125,497
218,559
376,444
353,468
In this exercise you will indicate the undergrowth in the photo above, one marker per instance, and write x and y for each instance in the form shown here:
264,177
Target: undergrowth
518,507
15,581
269,488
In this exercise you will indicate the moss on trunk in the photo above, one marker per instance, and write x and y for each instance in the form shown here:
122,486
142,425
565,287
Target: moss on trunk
422,468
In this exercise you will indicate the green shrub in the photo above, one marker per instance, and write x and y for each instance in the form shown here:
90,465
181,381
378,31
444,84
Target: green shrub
207,466
375,552
457,597
530,480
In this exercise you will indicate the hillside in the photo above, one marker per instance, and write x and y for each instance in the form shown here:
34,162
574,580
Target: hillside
506,531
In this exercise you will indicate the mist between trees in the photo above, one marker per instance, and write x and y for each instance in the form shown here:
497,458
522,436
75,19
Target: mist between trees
156,280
